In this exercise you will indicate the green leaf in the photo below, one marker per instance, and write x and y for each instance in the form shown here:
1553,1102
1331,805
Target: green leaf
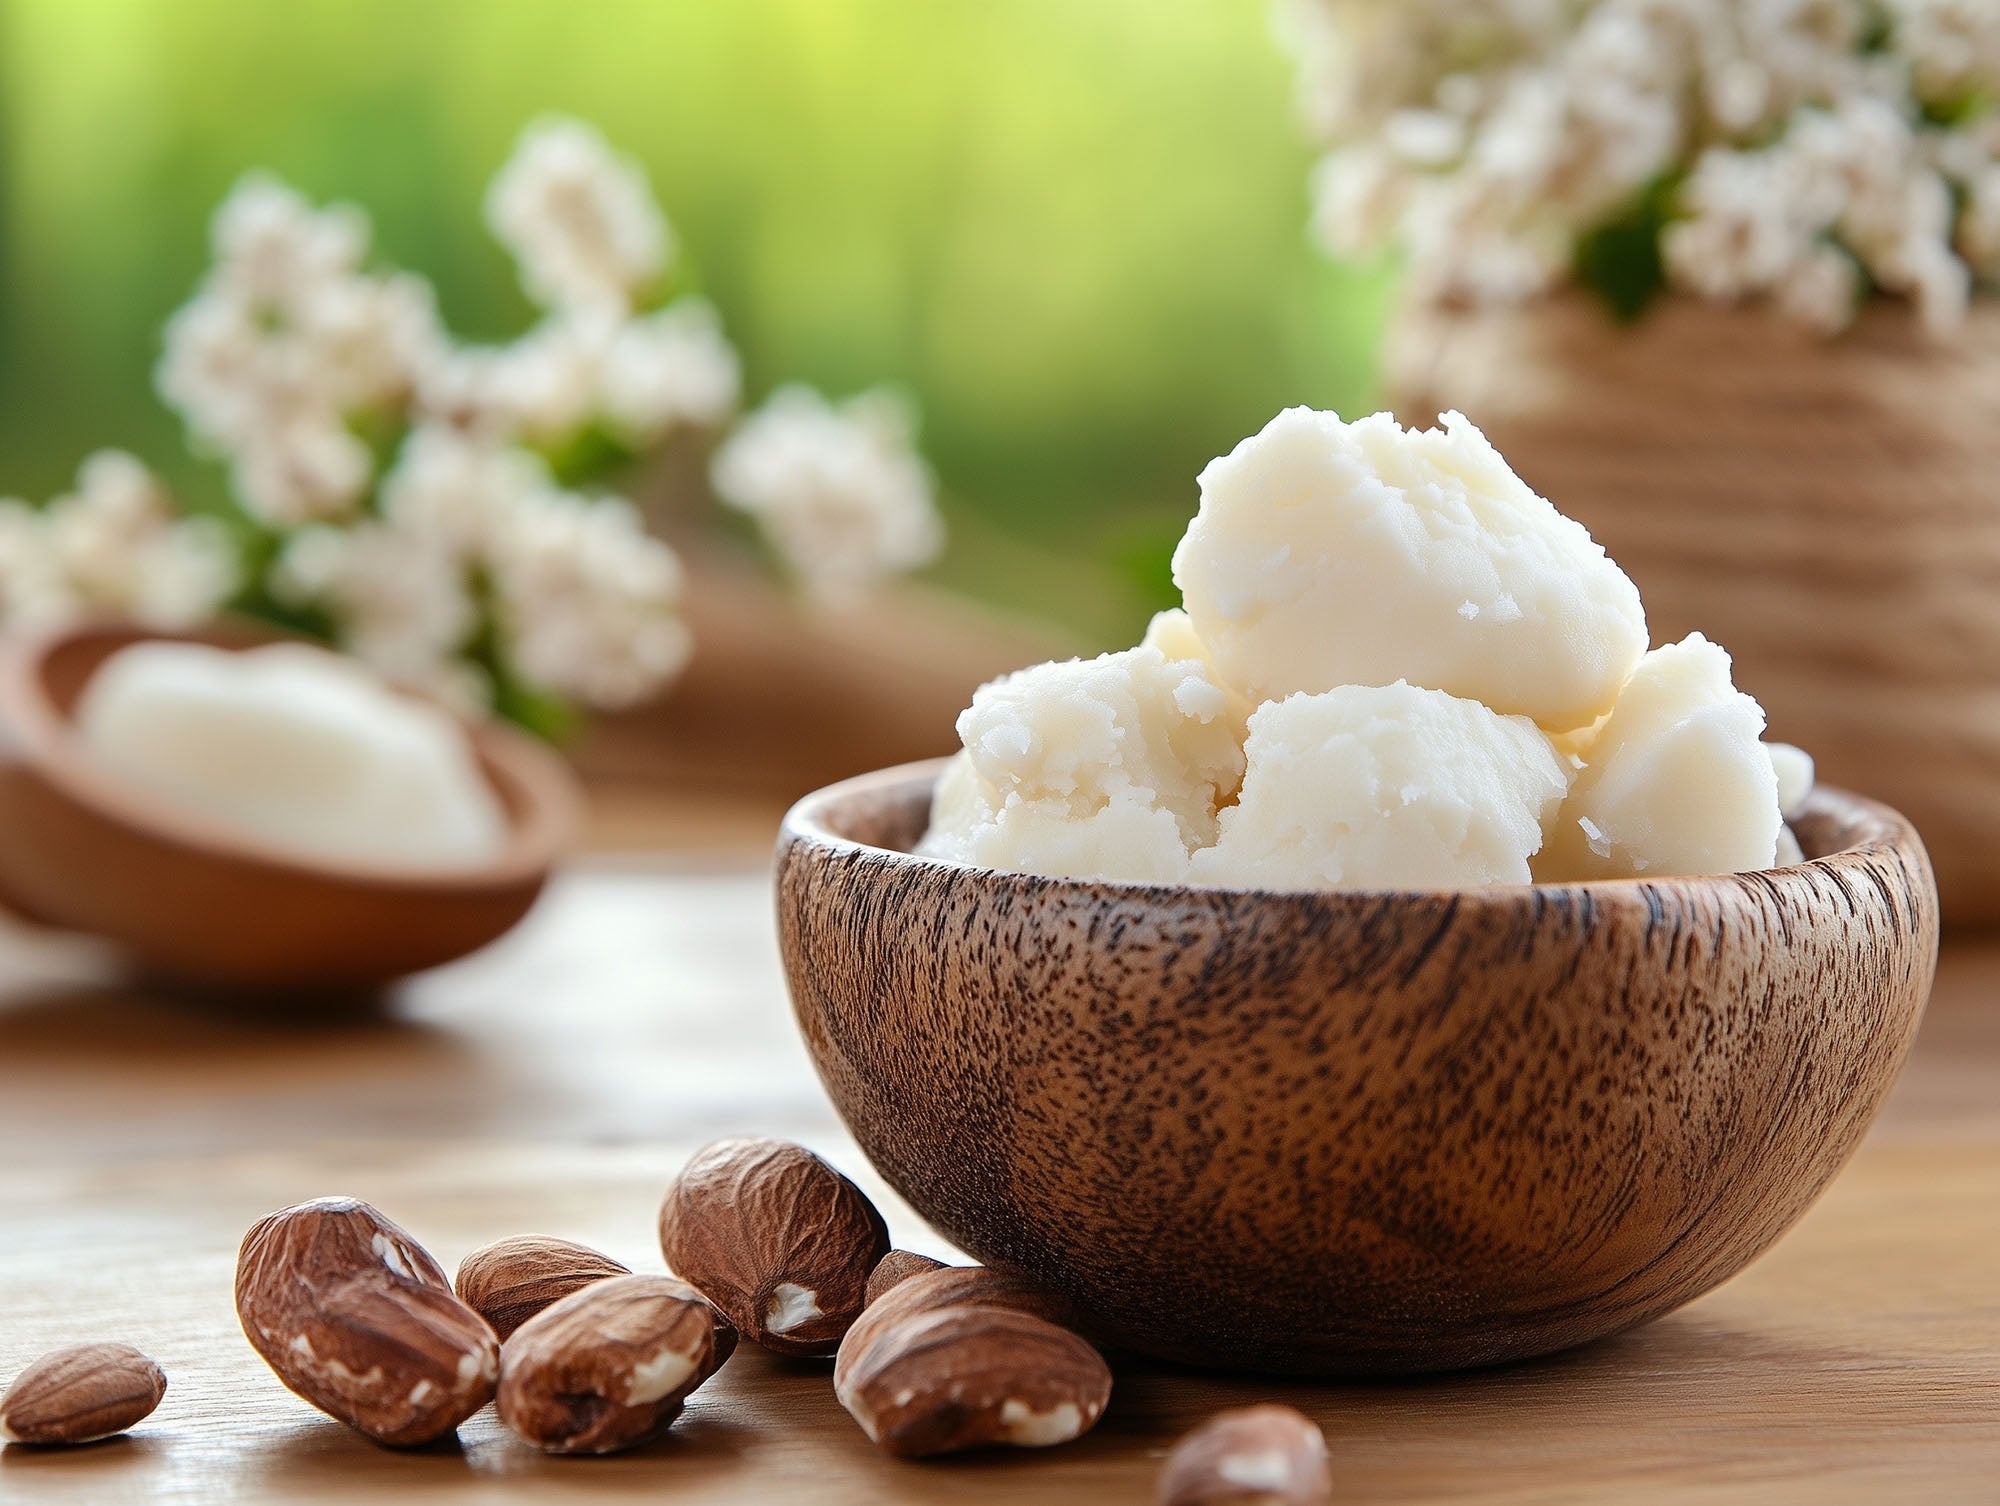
1620,261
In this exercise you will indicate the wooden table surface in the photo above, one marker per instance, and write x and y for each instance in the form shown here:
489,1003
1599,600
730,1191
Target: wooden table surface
556,1082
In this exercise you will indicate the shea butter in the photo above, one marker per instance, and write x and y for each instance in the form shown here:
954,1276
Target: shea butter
1384,787
294,749
1110,767
1326,553
1675,781
1395,666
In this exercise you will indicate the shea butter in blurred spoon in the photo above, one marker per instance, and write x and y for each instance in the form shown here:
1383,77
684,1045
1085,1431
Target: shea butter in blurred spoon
262,816
294,747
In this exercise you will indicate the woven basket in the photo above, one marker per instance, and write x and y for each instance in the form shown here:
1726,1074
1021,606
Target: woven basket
1828,512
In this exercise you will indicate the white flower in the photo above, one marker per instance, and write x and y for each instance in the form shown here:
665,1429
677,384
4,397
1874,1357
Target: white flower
638,377
1358,195
284,343
1741,235
118,548
580,220
1818,290
1488,137
1953,46
448,486
839,491
588,604
399,603
671,367
33,592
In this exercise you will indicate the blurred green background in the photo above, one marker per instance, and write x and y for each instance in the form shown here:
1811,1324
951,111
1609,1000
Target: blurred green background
1074,231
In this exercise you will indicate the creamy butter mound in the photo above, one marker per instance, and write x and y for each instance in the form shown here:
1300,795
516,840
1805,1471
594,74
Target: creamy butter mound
1327,553
1385,787
1112,767
1396,667
1675,781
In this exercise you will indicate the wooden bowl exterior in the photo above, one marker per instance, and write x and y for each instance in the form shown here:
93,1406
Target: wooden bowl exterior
82,851
1342,1133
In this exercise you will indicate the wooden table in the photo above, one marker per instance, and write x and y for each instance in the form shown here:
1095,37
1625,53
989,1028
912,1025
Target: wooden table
556,1082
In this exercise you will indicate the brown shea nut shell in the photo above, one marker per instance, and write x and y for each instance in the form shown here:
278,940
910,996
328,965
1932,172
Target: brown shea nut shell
512,1279
948,1286
1249,1456
895,1268
608,1366
967,1376
357,1318
776,1238
80,1394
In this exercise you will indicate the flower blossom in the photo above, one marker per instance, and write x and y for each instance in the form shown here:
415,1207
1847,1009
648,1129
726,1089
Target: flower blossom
639,378
287,341
585,603
579,219
1820,146
838,490
113,547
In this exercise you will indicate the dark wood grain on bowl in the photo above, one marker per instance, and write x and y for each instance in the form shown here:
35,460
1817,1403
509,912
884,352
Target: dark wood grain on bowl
1336,1133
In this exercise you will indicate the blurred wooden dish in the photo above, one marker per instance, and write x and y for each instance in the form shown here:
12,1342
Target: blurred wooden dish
1333,1133
85,851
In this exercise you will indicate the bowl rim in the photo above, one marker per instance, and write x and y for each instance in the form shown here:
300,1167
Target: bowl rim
1872,828
537,794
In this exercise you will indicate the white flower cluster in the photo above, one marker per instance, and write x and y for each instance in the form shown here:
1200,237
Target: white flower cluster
583,601
288,341
838,490
465,555
1827,146
113,547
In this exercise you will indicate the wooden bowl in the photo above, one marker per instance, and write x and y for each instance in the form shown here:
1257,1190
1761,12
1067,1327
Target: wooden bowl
1351,1132
83,849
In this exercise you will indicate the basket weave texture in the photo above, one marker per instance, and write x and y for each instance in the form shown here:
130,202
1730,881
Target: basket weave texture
1827,511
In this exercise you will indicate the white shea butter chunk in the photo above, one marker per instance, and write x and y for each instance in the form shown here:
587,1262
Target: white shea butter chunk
1385,787
294,748
1794,770
1112,767
1326,553
1676,781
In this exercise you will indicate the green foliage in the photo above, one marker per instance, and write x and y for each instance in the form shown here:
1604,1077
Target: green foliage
1620,260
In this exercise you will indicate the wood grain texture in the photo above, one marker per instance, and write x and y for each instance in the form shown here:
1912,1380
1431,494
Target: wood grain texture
558,1080
1343,1133
189,900
1824,510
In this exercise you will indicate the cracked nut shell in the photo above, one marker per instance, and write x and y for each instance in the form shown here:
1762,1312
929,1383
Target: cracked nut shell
1249,1456
80,1394
608,1367
965,1376
512,1279
776,1238
357,1318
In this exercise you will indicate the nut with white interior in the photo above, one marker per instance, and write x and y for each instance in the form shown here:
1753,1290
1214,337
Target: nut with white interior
357,1318
1249,1456
967,1376
776,1238
80,1394
607,1367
